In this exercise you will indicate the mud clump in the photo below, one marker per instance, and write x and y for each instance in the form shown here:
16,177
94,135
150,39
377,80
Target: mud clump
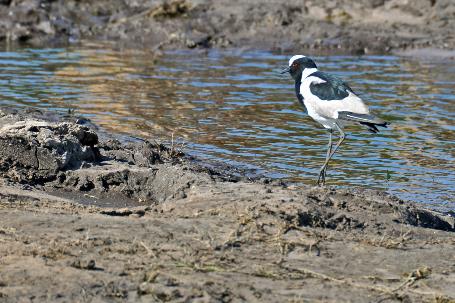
172,9
35,151
67,158
146,172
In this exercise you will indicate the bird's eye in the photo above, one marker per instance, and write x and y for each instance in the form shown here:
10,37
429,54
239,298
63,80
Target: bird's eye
294,64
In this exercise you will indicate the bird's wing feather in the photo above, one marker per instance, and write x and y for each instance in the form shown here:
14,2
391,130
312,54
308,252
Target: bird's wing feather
331,88
366,118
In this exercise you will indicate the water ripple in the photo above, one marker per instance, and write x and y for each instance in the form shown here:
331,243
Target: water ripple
234,106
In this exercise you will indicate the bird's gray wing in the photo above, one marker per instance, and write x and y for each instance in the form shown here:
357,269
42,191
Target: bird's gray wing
332,88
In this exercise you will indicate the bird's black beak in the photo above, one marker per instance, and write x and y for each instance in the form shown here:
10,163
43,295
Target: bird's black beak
285,70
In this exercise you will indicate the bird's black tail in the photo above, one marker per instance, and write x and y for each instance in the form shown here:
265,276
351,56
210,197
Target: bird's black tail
369,121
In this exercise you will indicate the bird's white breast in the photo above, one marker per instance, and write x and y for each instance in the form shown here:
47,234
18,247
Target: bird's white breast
311,101
326,111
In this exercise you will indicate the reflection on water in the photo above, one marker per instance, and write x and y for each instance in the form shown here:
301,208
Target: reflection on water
234,106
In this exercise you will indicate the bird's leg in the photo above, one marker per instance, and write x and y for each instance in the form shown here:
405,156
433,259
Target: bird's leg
323,170
342,137
324,167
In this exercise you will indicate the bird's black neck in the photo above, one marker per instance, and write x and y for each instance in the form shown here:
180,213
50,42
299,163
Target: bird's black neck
298,82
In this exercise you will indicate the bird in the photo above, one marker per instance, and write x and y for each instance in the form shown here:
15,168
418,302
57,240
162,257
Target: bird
331,102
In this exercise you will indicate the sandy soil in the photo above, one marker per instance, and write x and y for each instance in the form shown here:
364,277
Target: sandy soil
364,26
84,218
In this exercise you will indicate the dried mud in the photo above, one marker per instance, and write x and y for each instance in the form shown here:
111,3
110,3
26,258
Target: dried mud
84,217
366,26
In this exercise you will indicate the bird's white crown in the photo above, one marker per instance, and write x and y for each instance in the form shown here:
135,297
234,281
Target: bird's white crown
295,58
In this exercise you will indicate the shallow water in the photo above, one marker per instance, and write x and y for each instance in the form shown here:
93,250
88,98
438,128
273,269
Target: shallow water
234,106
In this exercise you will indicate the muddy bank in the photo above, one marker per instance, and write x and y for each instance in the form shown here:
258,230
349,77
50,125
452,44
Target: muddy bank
64,155
181,231
189,232
367,26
